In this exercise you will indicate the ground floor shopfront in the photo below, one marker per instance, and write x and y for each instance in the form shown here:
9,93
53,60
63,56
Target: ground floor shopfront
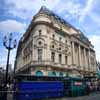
41,70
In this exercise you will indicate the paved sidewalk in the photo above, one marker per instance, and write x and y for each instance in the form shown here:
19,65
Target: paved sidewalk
92,96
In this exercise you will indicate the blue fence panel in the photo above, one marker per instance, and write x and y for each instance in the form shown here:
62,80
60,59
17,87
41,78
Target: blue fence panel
37,90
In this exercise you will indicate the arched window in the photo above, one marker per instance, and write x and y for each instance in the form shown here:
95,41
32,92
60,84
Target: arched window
39,73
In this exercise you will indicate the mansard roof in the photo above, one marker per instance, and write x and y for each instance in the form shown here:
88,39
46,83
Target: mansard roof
83,38
44,10
48,12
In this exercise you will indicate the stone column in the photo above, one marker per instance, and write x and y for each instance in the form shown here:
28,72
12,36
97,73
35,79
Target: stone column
73,51
85,59
95,67
56,57
80,61
69,57
89,61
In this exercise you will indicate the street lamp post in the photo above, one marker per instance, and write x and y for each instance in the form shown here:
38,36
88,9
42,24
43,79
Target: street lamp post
10,44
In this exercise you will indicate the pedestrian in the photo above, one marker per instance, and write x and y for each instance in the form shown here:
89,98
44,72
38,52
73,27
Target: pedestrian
87,88
0,92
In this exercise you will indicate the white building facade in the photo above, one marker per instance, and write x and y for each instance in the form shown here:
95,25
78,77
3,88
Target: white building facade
53,47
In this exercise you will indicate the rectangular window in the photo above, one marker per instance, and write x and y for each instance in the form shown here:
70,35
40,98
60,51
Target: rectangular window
66,60
60,58
39,55
53,57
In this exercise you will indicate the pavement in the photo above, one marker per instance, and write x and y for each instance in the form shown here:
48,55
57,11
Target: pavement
92,96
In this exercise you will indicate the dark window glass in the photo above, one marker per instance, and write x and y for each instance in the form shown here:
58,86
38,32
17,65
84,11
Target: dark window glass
66,59
39,55
60,58
53,57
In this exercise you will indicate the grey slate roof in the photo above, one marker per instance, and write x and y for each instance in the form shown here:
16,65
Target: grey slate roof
58,18
83,38
48,12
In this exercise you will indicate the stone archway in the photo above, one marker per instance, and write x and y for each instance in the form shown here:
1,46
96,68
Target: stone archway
39,73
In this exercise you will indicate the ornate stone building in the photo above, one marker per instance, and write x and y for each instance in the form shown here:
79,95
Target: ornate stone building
53,47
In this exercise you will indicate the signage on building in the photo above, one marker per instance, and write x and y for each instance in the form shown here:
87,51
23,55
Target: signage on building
78,83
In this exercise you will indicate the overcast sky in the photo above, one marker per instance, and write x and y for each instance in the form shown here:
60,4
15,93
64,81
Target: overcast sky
15,16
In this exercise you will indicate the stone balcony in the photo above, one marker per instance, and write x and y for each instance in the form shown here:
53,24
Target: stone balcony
49,63
54,64
43,63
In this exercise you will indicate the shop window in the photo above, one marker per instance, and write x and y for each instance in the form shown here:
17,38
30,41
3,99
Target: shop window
61,74
54,73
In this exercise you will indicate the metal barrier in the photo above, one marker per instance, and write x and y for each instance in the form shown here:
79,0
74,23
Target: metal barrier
9,95
38,90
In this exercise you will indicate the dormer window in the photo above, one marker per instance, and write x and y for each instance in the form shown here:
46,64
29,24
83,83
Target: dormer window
53,36
40,32
53,46
66,41
60,39
39,42
66,44
59,48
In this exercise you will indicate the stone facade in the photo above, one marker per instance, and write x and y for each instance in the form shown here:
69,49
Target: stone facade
51,46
